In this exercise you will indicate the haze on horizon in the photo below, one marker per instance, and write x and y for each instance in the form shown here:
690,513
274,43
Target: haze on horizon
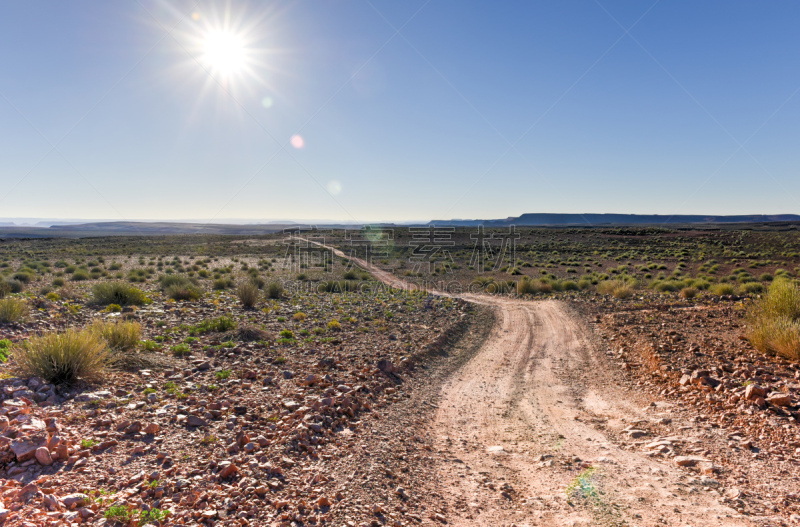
397,111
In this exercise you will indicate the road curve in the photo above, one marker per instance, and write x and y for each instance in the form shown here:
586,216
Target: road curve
525,432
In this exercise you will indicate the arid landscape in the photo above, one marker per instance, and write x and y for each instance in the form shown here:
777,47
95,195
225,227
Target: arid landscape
275,381
370,263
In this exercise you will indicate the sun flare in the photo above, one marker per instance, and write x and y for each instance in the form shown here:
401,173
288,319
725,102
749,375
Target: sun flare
224,52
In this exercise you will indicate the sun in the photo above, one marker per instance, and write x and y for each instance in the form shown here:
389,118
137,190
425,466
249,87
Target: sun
224,53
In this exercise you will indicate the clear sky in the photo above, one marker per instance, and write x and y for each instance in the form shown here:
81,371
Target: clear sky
397,110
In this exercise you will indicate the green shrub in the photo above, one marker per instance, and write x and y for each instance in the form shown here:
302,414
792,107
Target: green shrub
569,285
58,282
119,335
119,293
14,286
13,310
179,350
248,293
722,289
274,290
5,349
183,292
80,275
5,289
23,277
622,287
688,293
774,321
219,325
63,357
751,288
222,283
334,325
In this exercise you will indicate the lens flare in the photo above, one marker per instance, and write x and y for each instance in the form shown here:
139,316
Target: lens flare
297,141
267,102
334,187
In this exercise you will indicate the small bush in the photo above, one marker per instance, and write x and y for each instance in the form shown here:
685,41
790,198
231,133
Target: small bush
14,286
5,289
618,288
219,325
247,292
688,293
63,357
299,317
80,275
13,310
222,283
183,292
774,321
120,293
119,335
334,325
751,288
5,349
23,277
274,290
723,289
58,282
179,350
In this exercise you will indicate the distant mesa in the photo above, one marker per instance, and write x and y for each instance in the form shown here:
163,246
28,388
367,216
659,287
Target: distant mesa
596,220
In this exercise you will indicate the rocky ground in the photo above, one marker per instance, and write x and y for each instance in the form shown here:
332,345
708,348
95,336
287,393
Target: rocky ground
245,428
740,409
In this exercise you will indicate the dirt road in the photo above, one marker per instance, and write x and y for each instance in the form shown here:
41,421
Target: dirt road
527,433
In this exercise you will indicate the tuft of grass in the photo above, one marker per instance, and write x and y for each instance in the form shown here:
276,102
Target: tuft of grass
179,350
223,374
89,443
120,514
63,357
723,289
180,287
5,349
119,335
688,293
13,310
219,325
274,290
119,293
248,293
774,321
618,288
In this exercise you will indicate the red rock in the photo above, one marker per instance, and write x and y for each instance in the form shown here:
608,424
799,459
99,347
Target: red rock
43,456
228,469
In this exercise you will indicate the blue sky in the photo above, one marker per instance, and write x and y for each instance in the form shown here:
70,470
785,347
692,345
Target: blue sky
410,110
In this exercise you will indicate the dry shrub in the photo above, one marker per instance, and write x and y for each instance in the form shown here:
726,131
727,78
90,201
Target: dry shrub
119,335
119,293
618,288
774,321
252,334
63,357
688,293
274,290
723,289
526,286
13,310
248,294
